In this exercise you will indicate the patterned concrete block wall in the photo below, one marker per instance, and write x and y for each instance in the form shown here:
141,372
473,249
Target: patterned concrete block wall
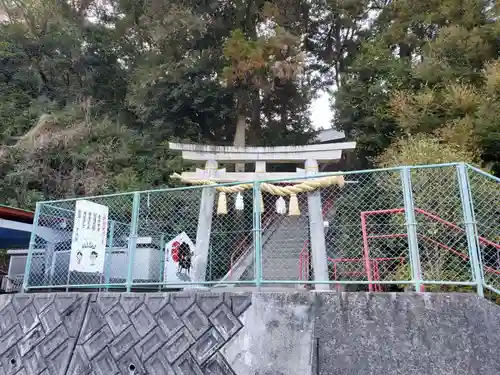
157,333
39,332
226,333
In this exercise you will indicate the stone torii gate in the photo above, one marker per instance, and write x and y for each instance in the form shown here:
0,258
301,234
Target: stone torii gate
310,155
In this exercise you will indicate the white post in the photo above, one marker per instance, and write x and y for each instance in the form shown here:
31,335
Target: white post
260,166
317,231
200,259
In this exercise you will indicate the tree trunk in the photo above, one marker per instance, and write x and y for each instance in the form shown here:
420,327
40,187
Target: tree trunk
254,92
239,136
256,127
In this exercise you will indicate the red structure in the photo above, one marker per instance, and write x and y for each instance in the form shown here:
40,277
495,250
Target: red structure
371,267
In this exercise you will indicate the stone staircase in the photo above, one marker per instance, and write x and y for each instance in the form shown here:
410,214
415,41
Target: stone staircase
282,244
281,253
243,268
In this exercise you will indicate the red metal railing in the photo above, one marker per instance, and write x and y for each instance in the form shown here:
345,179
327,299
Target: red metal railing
372,265
366,250
482,240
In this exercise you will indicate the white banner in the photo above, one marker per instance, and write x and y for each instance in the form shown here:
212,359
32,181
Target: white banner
88,246
178,264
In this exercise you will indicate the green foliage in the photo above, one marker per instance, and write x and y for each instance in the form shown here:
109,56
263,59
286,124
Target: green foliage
121,81
423,149
362,107
459,114
118,83
424,69
436,270
262,60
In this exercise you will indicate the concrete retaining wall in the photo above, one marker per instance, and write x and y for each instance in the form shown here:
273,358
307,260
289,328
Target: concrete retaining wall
250,333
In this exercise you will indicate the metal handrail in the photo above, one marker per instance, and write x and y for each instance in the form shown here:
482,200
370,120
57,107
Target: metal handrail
482,240
372,263
434,217
237,252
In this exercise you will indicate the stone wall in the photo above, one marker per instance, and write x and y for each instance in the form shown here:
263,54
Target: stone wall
248,333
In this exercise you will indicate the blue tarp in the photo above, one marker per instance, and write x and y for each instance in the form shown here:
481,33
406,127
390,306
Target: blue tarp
14,239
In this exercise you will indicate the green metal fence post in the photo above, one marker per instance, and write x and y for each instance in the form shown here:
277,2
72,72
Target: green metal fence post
109,252
470,226
257,232
31,248
132,240
411,227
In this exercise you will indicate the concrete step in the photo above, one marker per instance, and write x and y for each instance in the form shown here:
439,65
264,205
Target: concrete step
280,269
281,249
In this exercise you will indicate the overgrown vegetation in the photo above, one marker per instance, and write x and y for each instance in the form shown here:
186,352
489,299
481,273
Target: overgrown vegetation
424,86
91,90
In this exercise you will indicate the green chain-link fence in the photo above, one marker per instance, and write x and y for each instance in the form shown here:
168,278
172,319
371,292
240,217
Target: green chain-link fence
428,227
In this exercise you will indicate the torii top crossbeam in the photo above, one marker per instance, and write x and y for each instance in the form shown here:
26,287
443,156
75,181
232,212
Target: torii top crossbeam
309,154
281,154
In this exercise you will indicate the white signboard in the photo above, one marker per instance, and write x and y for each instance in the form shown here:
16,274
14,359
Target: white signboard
178,265
88,245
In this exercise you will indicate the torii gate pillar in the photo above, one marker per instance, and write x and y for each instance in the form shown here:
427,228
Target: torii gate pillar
200,260
317,231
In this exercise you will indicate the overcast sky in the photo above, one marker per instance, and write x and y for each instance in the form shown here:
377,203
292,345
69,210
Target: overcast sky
321,115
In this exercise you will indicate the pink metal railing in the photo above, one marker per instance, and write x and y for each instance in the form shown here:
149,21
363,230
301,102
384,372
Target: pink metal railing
366,251
371,265
374,264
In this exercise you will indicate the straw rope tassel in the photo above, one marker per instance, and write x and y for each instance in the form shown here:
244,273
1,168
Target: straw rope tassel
293,209
222,204
261,203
